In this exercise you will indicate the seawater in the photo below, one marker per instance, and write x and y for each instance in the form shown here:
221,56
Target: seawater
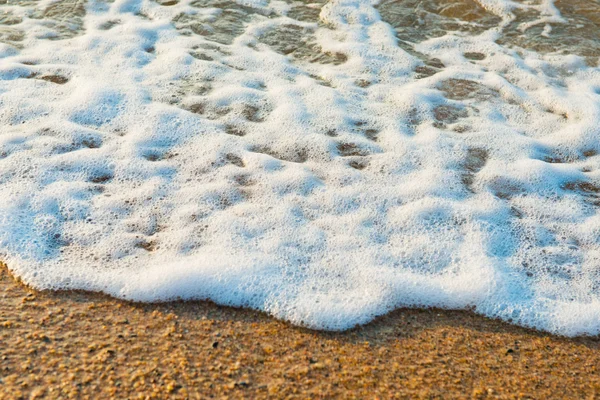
324,162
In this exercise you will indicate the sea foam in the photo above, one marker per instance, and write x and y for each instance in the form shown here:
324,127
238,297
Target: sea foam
323,162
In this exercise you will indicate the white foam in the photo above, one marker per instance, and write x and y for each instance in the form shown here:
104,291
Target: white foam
256,178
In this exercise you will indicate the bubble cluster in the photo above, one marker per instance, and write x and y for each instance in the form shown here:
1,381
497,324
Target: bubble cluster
324,162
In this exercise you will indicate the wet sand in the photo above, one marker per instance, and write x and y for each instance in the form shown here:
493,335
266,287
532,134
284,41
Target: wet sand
85,345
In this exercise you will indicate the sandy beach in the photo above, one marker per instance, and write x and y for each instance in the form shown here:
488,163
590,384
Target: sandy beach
323,160
85,345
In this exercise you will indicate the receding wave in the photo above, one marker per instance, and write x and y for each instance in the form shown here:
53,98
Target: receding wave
324,162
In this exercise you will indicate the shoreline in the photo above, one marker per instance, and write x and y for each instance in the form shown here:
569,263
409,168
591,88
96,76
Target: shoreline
85,345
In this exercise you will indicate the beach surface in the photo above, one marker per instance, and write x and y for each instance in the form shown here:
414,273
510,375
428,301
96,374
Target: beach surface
86,345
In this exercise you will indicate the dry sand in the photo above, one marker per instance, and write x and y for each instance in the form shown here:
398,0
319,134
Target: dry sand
82,345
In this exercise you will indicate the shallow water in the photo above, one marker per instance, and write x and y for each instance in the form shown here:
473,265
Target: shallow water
325,162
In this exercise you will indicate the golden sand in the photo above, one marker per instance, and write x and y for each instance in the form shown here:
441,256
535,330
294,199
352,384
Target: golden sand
85,345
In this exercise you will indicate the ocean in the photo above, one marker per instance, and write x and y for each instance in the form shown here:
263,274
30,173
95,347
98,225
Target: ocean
323,162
